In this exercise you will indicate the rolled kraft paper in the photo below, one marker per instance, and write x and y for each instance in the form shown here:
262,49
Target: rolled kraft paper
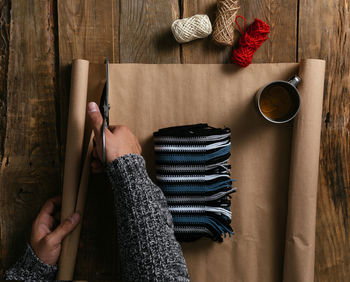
74,145
301,217
71,243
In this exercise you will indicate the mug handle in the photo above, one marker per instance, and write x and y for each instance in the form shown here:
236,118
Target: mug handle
295,80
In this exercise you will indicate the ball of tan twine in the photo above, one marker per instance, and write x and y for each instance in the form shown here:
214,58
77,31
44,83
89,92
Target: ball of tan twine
226,12
188,29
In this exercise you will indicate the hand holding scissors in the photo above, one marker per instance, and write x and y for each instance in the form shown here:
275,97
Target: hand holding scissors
112,141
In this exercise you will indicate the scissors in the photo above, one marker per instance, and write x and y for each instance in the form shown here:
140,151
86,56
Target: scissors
104,109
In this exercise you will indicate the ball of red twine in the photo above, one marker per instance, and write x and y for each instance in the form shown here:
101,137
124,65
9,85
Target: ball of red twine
250,41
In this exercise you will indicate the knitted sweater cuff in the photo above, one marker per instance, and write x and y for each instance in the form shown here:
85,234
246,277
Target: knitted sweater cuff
127,169
30,267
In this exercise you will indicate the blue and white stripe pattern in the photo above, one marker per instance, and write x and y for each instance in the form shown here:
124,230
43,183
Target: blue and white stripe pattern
194,174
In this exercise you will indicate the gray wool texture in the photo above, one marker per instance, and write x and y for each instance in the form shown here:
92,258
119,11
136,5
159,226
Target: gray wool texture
30,268
147,244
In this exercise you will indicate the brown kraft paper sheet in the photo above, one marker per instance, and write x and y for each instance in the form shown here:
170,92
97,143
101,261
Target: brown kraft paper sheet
274,210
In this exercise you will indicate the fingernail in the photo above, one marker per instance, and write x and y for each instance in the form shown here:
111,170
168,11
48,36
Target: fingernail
92,107
74,218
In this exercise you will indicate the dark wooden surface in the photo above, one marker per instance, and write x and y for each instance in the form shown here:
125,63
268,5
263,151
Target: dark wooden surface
39,39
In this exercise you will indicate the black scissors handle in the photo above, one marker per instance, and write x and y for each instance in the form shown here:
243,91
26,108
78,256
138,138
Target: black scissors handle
104,109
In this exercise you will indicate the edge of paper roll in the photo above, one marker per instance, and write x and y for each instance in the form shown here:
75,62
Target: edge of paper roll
73,160
299,256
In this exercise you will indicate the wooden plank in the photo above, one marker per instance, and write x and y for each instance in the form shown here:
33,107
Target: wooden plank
89,30
145,34
30,170
202,50
281,15
4,54
324,33
86,30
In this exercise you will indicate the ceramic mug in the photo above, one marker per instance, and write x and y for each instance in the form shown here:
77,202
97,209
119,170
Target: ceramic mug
279,101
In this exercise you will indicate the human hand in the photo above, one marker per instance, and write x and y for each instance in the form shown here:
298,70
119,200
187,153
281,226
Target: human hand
46,238
119,139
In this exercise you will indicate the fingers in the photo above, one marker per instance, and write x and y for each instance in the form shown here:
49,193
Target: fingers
63,229
50,222
50,205
139,148
95,118
96,166
94,153
112,128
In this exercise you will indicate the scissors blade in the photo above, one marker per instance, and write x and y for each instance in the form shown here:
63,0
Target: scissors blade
106,101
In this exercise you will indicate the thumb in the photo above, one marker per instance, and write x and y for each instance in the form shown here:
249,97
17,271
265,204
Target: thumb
95,118
64,228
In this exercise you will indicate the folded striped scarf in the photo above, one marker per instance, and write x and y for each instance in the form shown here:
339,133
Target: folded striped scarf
192,170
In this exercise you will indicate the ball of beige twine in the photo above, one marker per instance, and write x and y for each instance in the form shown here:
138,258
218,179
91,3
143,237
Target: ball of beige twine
188,29
226,12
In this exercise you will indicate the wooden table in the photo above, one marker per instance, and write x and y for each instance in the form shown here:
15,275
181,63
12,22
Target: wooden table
39,39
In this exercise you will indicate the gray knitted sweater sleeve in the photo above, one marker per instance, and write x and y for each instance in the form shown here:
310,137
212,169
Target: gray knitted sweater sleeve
30,268
148,248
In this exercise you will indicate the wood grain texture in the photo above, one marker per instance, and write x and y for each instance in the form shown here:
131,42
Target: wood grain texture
89,30
86,30
324,33
202,50
139,31
144,31
4,54
281,15
30,170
